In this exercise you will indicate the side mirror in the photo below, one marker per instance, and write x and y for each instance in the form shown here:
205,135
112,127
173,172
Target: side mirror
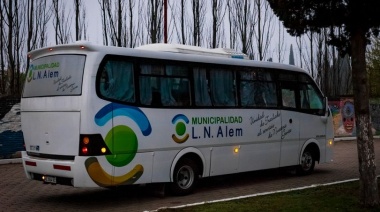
326,111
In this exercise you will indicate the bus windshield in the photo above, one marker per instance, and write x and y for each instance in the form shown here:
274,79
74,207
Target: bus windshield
56,75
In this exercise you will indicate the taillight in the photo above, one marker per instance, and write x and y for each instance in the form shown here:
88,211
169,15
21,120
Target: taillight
92,145
84,150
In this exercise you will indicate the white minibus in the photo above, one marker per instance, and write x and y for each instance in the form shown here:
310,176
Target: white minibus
101,116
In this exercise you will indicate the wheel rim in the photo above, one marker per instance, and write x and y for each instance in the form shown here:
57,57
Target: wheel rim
185,177
307,161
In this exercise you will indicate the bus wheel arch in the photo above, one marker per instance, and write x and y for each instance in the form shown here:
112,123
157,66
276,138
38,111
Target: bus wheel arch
310,154
187,168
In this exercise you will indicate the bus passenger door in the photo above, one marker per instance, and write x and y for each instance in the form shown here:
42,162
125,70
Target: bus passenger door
314,117
290,137
129,123
290,124
128,138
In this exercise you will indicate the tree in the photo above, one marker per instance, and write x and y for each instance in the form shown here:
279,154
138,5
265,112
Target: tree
199,13
80,21
231,25
2,53
264,28
183,37
154,23
11,59
104,4
132,29
242,22
39,14
13,37
280,42
373,61
178,16
61,23
358,21
218,11
118,38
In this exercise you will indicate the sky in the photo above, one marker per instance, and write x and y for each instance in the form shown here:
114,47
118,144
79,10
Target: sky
94,27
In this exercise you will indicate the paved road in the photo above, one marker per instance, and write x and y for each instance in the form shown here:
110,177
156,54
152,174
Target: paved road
19,194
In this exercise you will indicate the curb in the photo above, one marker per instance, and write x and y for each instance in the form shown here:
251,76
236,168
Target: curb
345,139
10,161
350,138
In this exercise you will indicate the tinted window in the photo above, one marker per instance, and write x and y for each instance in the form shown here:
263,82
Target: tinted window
257,88
311,99
201,87
222,87
116,81
164,85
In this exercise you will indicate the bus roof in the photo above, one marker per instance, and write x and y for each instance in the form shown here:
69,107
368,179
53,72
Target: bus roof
153,51
196,50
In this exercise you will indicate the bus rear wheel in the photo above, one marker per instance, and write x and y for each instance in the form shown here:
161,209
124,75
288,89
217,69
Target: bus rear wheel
307,164
185,177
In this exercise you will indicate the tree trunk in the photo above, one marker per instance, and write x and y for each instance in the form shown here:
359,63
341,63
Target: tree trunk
183,22
2,67
131,37
11,66
77,14
119,23
214,22
367,167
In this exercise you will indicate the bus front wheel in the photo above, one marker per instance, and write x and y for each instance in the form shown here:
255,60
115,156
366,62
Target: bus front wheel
307,164
185,177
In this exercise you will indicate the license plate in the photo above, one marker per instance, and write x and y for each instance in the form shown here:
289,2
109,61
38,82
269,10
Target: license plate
50,179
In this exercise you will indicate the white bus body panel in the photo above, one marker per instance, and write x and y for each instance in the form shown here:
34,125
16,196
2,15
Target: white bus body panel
262,151
51,132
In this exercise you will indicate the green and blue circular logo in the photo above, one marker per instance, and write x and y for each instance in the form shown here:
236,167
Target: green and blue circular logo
180,121
30,73
123,143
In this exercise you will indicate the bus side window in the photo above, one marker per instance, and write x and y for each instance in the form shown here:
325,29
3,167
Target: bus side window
181,91
311,99
288,97
116,81
259,95
146,83
316,101
201,87
247,93
247,87
179,85
222,87
257,88
164,86
270,94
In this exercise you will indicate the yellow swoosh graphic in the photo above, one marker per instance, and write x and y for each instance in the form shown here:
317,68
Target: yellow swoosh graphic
177,140
103,179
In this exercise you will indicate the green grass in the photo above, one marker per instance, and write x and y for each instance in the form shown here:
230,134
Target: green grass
338,197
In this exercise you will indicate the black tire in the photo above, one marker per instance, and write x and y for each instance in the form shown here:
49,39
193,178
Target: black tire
307,164
185,177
